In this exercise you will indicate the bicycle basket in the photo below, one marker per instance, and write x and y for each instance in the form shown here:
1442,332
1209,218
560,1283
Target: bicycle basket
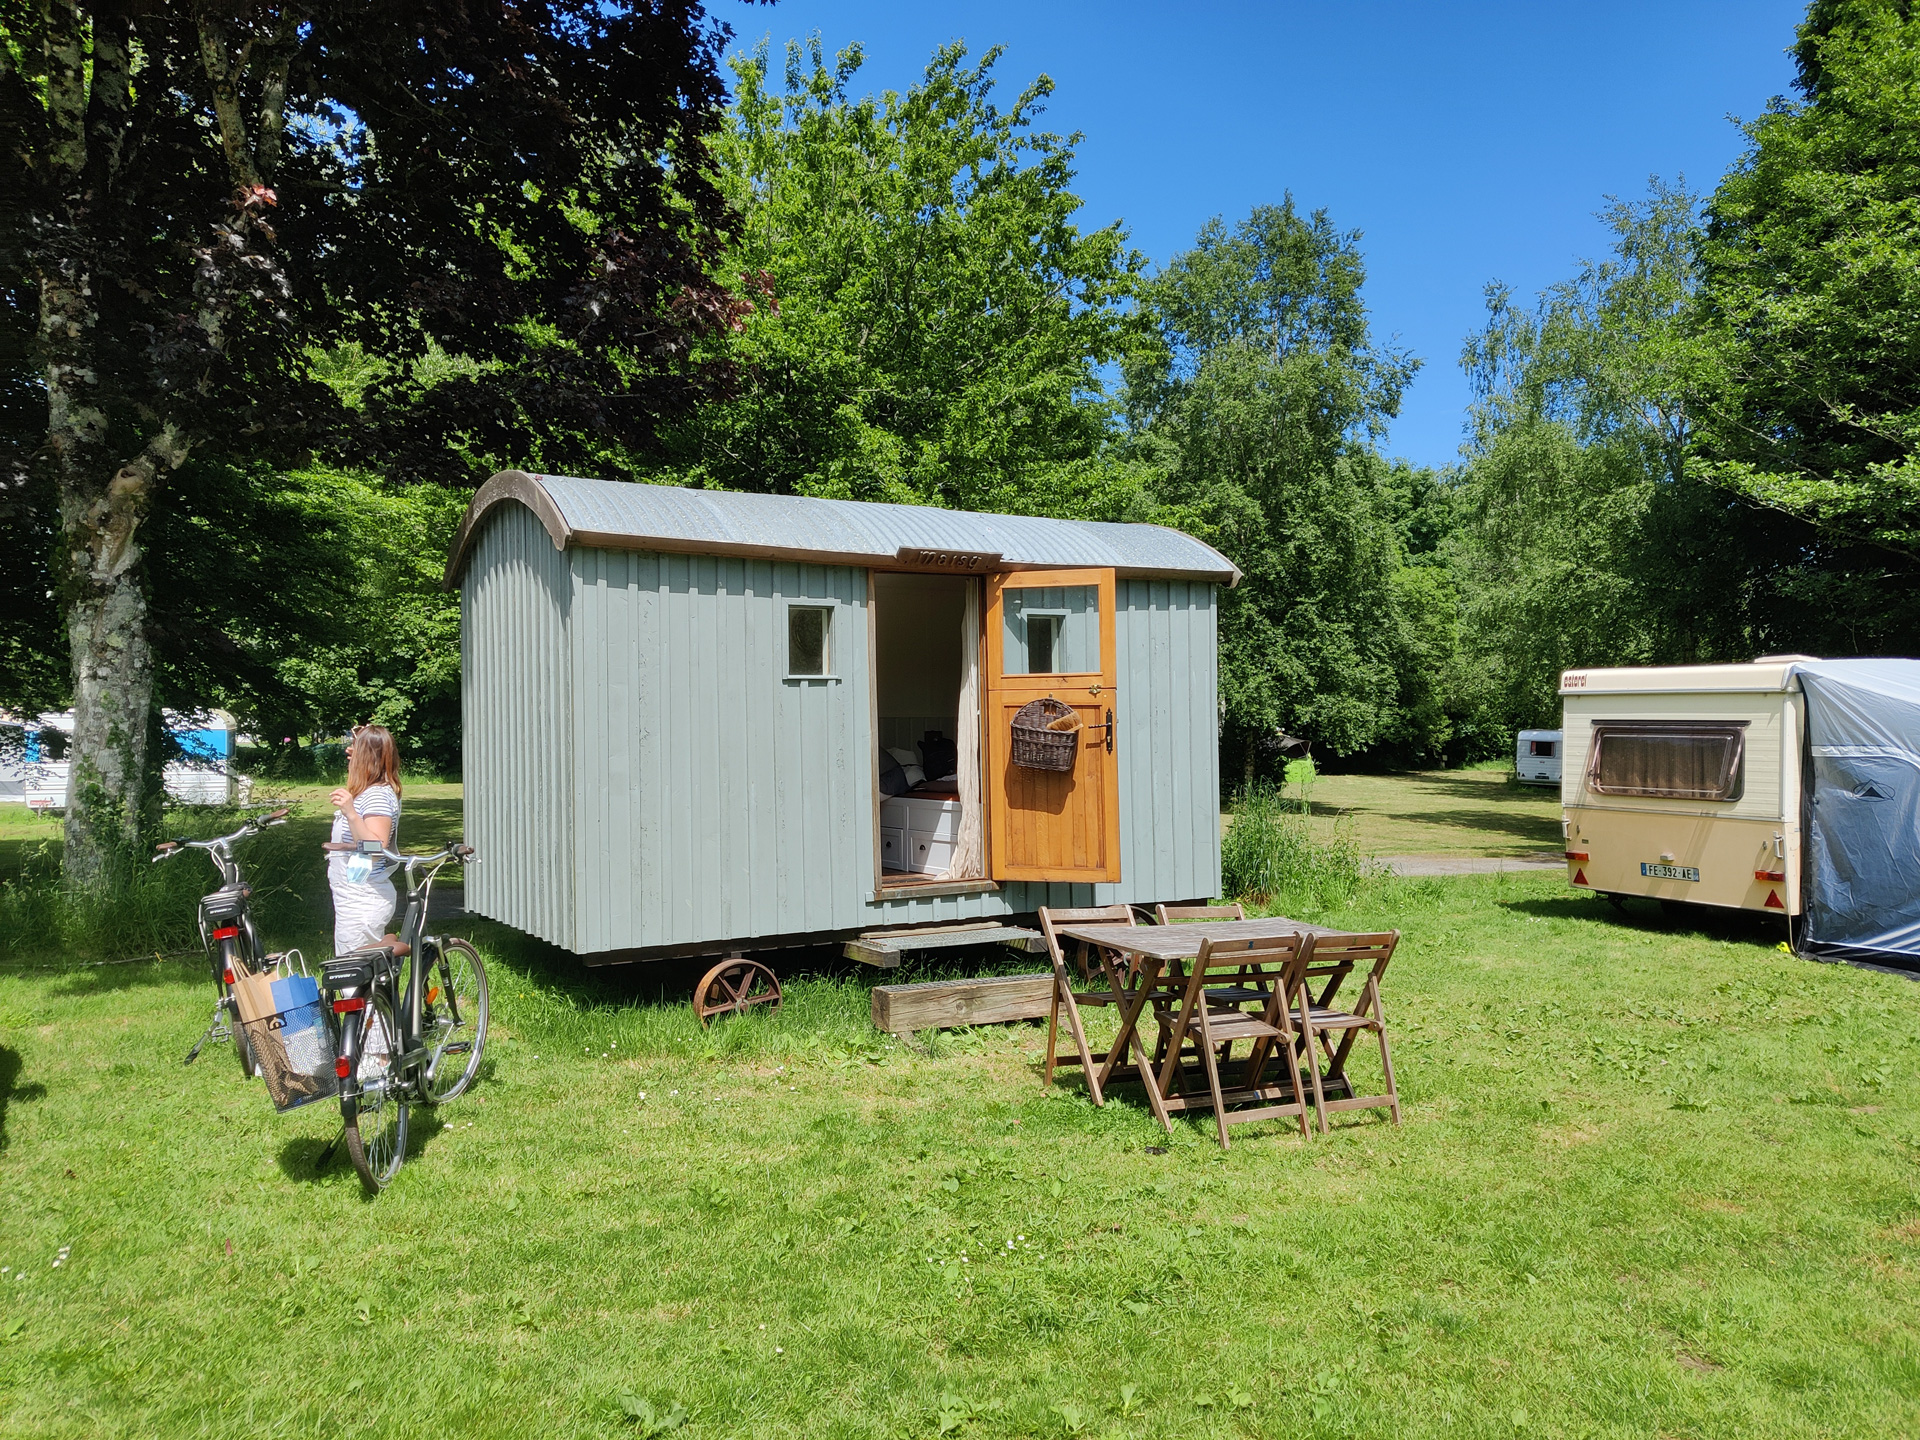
1037,744
293,1047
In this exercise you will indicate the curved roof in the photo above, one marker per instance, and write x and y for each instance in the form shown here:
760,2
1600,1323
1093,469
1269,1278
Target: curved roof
615,515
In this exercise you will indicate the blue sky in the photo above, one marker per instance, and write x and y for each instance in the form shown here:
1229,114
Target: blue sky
1468,142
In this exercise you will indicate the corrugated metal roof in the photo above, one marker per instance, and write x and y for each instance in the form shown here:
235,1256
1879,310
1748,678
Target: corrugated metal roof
616,515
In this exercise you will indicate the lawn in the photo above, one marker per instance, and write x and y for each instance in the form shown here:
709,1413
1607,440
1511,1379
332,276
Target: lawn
1653,1181
1442,813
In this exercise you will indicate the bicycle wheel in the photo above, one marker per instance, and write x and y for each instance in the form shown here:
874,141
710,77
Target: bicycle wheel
229,962
377,1134
453,1023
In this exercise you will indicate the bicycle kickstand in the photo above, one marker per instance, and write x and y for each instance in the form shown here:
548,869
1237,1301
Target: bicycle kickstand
320,1160
218,1030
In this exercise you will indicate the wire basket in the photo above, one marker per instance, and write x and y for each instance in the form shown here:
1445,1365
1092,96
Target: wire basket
1037,745
294,1051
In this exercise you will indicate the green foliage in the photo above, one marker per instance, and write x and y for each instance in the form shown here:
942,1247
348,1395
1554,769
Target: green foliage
1811,300
1270,855
394,656
1261,400
918,318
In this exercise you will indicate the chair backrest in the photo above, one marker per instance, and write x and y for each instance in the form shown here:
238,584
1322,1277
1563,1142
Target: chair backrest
1051,918
1337,956
1171,914
1278,960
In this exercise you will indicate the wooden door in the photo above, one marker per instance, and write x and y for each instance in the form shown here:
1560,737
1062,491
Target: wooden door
1050,632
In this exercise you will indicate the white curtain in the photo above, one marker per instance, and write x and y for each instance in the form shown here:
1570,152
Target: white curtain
969,845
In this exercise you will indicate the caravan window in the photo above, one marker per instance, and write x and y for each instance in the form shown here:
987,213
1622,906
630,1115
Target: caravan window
1540,748
1669,759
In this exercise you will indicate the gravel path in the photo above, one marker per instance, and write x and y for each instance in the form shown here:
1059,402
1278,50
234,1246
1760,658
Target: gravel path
1468,864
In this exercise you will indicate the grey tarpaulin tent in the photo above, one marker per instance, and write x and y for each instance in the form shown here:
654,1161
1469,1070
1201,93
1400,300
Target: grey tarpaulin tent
1863,811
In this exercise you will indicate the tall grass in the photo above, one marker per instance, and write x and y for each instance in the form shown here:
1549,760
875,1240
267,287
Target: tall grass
143,908
1271,856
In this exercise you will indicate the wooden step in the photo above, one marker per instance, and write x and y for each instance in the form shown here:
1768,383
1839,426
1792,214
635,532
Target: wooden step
886,948
943,1004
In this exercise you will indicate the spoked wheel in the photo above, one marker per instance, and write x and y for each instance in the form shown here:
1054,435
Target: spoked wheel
735,985
377,1135
454,1020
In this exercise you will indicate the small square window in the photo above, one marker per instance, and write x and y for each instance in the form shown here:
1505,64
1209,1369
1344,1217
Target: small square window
809,640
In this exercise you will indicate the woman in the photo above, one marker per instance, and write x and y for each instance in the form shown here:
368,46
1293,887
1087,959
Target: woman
367,807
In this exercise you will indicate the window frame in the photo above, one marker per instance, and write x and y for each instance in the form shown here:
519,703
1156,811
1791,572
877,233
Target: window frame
829,649
1733,776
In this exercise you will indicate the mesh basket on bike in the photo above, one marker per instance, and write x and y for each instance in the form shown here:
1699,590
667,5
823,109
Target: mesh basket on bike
292,1044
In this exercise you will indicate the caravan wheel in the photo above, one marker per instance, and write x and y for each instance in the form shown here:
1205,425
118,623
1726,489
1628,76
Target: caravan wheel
735,985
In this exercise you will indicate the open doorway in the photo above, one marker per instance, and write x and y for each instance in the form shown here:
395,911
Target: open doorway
927,725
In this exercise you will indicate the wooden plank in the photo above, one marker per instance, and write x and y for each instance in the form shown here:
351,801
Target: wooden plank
942,1004
887,949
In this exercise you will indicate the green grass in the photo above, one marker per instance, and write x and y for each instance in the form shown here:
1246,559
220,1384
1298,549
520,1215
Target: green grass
1652,1182
1480,810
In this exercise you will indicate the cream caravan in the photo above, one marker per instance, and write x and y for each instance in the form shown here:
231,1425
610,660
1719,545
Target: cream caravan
1684,783
1790,786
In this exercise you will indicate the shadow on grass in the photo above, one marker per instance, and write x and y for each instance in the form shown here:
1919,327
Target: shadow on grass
313,1161
11,1090
1659,917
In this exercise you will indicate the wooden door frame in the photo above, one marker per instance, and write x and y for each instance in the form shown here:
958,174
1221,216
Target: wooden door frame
924,889
994,679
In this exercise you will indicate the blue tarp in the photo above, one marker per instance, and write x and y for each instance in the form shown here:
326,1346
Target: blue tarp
1863,815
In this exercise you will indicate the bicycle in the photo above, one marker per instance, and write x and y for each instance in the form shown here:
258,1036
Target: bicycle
417,1042
232,940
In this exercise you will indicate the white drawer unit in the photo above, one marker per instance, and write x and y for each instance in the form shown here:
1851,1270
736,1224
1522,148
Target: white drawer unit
938,818
893,847
928,854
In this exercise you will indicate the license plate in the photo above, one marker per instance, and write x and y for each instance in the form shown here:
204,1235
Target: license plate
1669,872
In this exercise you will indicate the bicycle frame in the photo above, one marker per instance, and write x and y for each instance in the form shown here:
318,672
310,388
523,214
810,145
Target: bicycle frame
235,940
350,1002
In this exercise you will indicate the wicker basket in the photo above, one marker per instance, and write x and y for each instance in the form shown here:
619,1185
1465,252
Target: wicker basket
1037,746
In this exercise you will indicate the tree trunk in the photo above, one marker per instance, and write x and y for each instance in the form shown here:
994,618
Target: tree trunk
101,506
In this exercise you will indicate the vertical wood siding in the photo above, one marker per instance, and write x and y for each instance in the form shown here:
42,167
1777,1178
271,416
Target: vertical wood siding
640,773
515,598
716,799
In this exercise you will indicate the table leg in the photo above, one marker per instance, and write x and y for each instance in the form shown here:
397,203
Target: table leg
1130,1036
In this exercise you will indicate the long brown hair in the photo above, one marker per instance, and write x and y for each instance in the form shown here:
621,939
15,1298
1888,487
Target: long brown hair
372,759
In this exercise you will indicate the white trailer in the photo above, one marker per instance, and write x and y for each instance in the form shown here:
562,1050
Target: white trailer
1536,757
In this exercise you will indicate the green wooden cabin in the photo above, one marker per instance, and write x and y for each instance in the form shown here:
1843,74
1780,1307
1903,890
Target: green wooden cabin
686,713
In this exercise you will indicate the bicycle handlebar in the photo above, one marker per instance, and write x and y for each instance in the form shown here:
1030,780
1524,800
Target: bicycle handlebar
455,851
168,848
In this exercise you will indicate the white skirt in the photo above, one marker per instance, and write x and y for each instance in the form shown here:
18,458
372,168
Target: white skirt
361,913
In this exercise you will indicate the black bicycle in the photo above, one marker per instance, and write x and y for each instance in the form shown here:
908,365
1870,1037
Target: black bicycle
413,1020
226,930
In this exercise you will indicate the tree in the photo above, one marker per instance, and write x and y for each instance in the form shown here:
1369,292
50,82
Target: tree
199,198
1264,395
1810,304
918,318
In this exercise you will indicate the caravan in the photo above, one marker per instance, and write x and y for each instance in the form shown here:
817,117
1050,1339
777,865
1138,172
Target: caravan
1790,786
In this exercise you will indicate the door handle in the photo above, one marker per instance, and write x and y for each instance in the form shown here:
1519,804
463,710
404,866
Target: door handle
1108,727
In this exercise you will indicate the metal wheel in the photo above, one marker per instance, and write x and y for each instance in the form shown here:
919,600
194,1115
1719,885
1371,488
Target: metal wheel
377,1135
735,985
453,1020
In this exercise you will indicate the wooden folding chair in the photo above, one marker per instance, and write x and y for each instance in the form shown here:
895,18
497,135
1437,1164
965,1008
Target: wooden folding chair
1238,993
1335,957
1065,997
1212,1032
1175,914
